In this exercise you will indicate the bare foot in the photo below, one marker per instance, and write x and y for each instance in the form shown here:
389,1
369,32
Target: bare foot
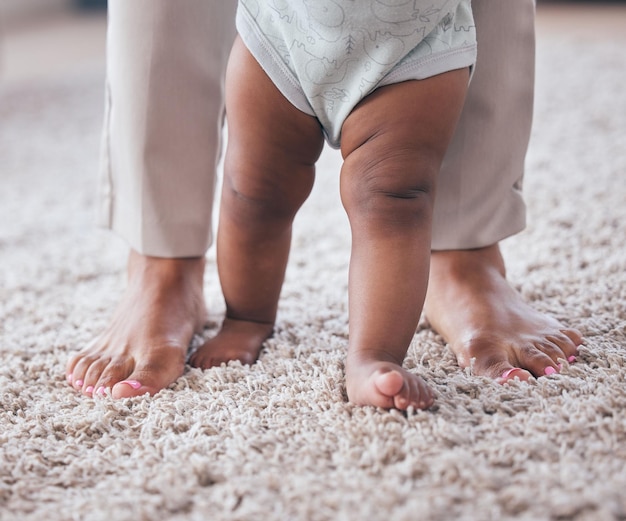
374,381
143,349
484,320
236,340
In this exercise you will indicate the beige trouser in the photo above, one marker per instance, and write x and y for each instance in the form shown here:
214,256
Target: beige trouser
164,115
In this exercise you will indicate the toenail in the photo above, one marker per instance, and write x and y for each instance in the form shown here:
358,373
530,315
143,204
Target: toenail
101,390
571,359
69,378
78,383
508,373
550,370
133,383
89,389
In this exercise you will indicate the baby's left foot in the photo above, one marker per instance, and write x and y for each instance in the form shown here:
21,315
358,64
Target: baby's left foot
236,340
385,384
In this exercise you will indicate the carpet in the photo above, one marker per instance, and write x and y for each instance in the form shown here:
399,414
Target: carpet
277,440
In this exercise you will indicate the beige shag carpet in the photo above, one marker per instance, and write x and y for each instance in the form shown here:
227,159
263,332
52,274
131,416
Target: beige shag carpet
277,441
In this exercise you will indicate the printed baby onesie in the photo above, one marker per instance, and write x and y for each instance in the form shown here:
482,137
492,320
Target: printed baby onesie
327,55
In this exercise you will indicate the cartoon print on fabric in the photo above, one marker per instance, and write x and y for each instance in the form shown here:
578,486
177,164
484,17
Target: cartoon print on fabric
326,19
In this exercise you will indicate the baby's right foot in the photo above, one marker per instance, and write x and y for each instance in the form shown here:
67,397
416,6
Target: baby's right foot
237,340
385,384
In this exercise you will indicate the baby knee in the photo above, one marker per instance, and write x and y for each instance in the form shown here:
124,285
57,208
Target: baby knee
390,191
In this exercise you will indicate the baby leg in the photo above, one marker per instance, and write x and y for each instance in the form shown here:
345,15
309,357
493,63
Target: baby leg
268,173
393,144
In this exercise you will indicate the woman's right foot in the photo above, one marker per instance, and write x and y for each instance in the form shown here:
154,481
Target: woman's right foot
144,348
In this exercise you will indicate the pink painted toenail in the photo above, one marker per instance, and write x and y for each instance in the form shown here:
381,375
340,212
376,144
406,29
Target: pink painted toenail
133,383
89,389
550,370
78,383
69,378
101,390
571,359
508,373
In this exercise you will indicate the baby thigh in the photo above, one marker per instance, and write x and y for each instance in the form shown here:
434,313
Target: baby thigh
272,146
393,144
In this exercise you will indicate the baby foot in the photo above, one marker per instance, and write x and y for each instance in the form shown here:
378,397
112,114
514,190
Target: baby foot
385,384
236,340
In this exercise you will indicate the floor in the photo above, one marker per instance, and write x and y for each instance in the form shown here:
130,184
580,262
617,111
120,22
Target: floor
588,20
52,46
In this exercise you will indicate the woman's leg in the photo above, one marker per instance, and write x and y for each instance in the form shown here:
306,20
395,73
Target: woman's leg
161,142
479,202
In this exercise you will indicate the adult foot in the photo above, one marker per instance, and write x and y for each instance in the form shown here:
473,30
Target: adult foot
486,322
237,340
372,381
144,347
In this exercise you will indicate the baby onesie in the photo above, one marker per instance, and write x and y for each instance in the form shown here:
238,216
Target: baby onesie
327,55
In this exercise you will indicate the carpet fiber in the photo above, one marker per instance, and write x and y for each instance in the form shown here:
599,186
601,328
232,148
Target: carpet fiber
277,441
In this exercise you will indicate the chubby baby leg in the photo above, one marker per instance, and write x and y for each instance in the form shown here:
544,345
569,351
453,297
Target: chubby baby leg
269,171
393,144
